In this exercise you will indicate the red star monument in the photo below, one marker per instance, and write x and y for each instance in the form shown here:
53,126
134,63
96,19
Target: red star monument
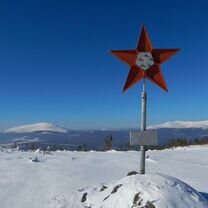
144,61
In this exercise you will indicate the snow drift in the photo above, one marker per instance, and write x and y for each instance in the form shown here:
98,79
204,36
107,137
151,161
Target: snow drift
35,128
144,191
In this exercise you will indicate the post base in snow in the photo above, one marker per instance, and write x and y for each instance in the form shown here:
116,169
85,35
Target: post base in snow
142,160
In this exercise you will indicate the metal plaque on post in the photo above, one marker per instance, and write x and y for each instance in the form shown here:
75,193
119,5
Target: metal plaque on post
147,138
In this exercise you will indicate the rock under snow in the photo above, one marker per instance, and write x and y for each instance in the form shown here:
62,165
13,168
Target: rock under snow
144,191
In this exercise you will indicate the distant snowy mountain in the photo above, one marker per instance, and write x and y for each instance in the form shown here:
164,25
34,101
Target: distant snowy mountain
37,127
44,134
182,125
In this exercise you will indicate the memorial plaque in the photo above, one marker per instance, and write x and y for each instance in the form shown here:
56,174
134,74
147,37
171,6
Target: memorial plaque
149,138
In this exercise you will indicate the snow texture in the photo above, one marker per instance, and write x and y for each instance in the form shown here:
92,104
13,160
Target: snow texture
155,190
60,179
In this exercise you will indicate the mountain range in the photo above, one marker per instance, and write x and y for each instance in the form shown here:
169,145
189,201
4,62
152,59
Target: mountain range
29,128
47,134
182,125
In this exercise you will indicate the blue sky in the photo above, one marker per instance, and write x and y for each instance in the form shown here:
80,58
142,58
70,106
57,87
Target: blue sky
55,64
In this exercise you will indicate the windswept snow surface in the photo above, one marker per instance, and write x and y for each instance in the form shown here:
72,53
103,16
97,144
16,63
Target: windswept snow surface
182,125
29,128
137,191
60,179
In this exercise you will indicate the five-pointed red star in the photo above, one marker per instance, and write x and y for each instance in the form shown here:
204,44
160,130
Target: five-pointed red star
144,61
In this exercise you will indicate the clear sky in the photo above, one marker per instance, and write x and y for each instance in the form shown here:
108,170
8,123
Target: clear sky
55,65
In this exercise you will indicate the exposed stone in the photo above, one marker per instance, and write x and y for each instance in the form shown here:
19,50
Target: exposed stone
103,188
132,173
115,189
84,197
149,205
106,197
137,200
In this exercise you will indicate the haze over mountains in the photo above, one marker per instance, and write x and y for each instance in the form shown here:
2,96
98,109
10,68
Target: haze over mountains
45,134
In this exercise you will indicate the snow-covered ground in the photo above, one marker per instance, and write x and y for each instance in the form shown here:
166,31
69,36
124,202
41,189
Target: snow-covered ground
144,191
59,180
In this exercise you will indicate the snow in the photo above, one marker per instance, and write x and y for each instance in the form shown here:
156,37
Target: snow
29,128
140,190
59,179
182,124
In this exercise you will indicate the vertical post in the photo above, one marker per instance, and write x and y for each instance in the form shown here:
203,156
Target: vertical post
143,126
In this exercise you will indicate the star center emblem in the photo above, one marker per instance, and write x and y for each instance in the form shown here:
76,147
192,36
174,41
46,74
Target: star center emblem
144,61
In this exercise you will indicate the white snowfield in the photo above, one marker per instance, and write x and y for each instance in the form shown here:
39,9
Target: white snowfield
182,125
29,128
59,180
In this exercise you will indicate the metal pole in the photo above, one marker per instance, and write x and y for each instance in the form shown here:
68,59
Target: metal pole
143,126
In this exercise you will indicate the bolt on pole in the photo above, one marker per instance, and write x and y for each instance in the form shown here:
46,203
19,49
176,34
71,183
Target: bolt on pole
143,126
